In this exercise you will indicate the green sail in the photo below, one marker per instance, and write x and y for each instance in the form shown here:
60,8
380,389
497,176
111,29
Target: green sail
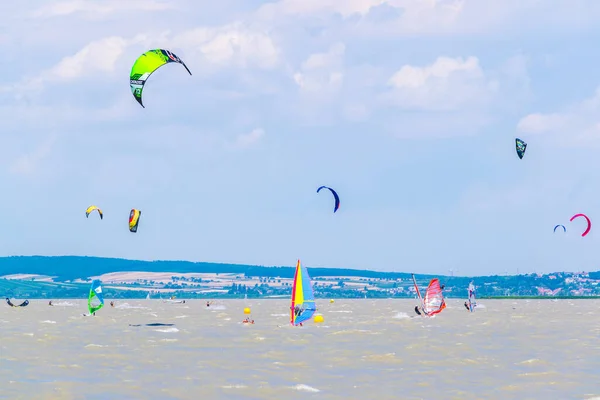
145,65
95,298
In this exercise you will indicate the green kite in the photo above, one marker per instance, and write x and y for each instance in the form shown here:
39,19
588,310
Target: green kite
145,65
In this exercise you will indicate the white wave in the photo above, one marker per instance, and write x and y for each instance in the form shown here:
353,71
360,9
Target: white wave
167,330
127,306
64,304
280,315
234,387
95,345
169,340
181,316
402,315
217,307
342,311
48,322
306,388
479,305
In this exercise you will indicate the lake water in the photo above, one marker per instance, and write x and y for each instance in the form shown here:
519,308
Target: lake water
365,349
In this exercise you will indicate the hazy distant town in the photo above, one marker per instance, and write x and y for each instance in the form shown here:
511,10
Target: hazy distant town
70,277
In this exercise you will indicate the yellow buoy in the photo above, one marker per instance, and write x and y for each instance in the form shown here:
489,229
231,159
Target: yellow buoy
247,310
331,300
318,319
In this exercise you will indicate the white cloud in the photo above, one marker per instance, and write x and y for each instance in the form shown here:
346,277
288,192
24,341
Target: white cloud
446,84
578,124
100,56
440,17
314,7
232,45
322,72
229,45
542,123
97,9
249,139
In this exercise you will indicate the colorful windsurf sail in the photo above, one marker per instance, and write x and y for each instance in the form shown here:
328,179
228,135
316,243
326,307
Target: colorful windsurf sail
433,303
134,220
95,298
303,299
145,65
434,298
472,302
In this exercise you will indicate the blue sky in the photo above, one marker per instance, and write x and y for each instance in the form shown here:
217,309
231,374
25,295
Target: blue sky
408,108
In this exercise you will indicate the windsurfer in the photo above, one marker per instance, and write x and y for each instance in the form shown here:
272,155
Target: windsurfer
112,303
467,306
50,303
208,304
297,311
417,310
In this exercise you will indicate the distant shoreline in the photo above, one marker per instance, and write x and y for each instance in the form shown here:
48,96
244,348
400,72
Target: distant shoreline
62,277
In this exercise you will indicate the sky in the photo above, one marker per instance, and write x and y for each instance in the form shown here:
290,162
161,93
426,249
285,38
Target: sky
409,109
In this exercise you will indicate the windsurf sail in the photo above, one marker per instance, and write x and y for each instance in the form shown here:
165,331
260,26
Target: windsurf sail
434,298
23,304
472,302
303,299
95,298
433,303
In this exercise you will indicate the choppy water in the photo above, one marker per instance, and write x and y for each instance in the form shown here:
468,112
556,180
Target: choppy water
365,349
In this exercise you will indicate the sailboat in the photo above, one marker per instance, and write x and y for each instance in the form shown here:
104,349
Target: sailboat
434,302
471,302
303,299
